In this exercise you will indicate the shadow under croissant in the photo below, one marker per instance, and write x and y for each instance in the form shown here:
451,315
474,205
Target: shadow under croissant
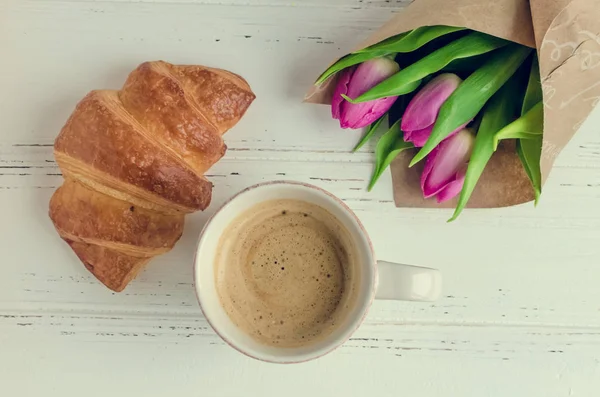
503,183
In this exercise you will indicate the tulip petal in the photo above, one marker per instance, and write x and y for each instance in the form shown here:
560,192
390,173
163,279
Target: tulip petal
427,192
418,137
357,116
370,73
340,88
453,188
444,163
423,109
367,75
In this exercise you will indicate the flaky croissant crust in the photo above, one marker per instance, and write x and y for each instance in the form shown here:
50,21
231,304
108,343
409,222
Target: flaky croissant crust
133,162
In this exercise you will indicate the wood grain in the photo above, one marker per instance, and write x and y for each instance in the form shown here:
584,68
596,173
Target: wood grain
520,315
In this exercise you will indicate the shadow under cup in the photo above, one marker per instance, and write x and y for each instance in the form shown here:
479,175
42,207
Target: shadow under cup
204,272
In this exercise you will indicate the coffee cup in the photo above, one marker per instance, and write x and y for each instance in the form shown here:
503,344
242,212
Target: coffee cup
371,279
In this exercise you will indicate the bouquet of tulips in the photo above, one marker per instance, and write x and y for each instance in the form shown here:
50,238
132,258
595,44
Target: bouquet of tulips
469,96
451,98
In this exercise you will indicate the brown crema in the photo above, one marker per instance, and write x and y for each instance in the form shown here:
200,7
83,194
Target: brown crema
285,272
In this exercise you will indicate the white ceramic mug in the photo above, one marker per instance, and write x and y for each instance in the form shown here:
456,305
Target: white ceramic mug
377,279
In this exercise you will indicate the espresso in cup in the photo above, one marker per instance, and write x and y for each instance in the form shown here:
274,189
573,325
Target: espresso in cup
286,272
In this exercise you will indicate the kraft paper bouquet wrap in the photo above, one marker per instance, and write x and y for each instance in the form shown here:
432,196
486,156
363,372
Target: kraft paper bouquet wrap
565,34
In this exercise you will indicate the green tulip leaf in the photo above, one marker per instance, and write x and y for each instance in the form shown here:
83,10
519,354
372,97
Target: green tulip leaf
389,146
528,126
412,40
473,93
405,89
496,114
530,150
523,159
465,66
369,132
530,154
402,43
533,94
468,46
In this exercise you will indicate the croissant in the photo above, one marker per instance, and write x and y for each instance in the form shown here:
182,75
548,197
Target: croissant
133,162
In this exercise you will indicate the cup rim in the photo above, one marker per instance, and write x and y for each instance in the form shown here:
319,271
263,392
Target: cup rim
348,210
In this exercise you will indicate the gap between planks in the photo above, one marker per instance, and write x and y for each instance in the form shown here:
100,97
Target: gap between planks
20,315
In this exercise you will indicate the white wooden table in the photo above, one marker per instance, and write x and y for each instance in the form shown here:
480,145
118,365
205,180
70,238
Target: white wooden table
520,313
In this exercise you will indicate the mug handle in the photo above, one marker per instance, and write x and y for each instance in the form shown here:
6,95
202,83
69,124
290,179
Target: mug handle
407,282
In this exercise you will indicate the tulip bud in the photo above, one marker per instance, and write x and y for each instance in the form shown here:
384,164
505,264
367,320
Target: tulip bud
422,111
446,166
355,81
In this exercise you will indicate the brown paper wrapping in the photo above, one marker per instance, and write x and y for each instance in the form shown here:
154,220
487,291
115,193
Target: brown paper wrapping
566,35
568,41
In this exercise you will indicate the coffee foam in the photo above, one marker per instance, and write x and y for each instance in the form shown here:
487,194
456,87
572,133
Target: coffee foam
285,272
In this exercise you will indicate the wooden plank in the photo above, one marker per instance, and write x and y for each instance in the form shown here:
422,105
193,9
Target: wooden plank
417,360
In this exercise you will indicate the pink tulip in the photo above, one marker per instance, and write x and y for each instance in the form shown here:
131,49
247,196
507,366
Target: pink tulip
446,166
356,81
422,111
